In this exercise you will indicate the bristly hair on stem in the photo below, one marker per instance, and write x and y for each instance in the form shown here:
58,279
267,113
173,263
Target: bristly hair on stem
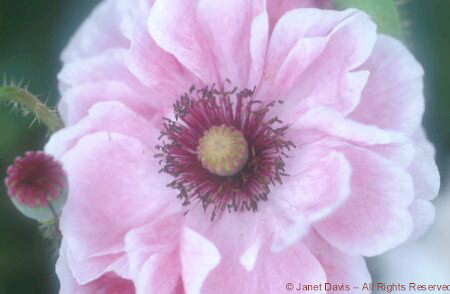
27,103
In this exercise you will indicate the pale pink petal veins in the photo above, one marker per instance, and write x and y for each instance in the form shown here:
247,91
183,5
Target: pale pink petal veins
106,72
329,122
89,76
153,252
198,257
401,152
269,274
109,65
318,183
229,26
232,234
393,97
172,24
99,33
86,270
339,267
107,283
110,116
99,36
375,218
79,99
313,63
426,180
210,38
157,69
423,168
423,213
258,48
114,118
277,8
128,192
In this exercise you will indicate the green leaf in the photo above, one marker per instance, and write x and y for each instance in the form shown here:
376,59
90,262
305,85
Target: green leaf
383,12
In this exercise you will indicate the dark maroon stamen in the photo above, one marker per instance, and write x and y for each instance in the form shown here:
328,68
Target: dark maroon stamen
195,113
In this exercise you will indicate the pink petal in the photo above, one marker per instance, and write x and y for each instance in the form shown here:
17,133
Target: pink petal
236,234
155,264
259,37
108,116
165,77
329,122
270,273
100,32
173,29
157,275
381,193
313,62
277,8
90,75
393,97
108,66
87,270
108,283
423,168
228,26
79,99
198,257
210,38
401,152
339,267
423,213
128,192
318,183
231,233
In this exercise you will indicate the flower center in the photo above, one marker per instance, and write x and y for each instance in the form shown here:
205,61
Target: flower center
223,150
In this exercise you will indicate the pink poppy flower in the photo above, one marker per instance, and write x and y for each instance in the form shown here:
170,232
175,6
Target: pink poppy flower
316,159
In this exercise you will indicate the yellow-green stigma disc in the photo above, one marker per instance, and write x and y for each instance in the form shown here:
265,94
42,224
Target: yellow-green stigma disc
223,150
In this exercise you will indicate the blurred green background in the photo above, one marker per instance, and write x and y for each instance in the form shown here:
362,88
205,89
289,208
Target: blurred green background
34,32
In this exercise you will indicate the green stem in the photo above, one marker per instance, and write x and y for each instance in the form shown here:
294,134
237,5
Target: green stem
56,232
30,102
52,209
